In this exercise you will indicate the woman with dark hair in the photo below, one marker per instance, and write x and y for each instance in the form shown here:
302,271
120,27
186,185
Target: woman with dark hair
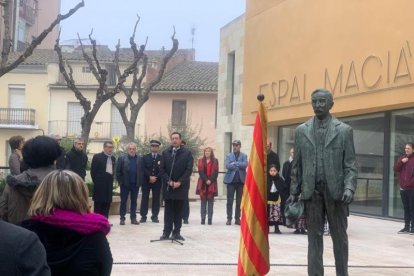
207,183
275,192
405,168
16,158
39,154
74,238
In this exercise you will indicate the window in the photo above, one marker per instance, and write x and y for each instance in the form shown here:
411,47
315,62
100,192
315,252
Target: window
179,110
402,132
111,79
117,126
16,103
75,113
86,69
369,152
231,61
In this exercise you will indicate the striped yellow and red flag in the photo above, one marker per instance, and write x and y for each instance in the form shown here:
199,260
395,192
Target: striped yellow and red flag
254,243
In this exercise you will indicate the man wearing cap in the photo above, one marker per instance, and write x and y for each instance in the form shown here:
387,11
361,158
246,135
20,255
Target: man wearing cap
152,182
76,159
236,164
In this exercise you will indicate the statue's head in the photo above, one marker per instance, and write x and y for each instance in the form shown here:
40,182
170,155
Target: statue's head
322,102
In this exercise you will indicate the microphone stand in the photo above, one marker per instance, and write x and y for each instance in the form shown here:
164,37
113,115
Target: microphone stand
174,153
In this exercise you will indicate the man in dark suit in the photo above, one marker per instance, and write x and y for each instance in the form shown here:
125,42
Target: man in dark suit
176,169
152,182
130,176
102,173
324,174
76,159
272,157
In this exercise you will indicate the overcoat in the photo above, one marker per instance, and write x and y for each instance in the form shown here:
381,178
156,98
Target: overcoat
102,181
177,168
338,160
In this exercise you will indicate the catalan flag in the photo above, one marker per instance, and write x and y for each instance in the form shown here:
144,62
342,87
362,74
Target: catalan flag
254,243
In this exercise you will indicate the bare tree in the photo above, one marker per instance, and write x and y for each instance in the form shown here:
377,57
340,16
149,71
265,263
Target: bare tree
142,89
6,67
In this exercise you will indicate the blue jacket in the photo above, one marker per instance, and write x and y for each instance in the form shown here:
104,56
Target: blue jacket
122,171
232,166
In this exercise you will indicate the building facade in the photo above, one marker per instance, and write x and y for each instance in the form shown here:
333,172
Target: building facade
28,18
37,100
359,50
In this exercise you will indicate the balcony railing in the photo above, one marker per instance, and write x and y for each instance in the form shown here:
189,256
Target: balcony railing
27,13
99,130
17,118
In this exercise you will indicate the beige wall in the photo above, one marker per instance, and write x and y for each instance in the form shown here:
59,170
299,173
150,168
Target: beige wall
36,97
201,107
361,50
46,14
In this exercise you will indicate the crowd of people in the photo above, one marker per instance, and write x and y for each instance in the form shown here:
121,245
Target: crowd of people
58,232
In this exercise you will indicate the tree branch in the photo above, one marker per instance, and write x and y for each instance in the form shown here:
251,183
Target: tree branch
35,42
86,104
166,58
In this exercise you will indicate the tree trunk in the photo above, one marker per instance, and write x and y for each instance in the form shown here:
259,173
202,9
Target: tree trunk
130,129
86,129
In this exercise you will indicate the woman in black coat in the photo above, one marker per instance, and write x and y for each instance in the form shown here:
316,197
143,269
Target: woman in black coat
74,238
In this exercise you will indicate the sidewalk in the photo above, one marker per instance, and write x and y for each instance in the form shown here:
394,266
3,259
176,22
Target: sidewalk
375,248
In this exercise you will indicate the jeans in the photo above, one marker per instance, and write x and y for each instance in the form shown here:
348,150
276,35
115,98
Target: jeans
125,191
407,198
231,189
207,210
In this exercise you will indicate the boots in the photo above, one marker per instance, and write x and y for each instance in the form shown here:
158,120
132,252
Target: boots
210,221
203,221
277,231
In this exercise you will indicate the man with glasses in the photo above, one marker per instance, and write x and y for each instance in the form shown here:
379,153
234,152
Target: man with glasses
76,159
102,172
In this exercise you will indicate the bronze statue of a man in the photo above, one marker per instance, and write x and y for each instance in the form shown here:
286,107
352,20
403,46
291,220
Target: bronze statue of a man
324,176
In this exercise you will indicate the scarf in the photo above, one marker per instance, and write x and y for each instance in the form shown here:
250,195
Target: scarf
82,223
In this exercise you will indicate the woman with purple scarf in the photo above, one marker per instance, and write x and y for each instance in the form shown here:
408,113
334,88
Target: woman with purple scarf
74,238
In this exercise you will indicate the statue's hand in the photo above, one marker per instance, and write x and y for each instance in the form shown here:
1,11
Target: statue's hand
292,198
347,197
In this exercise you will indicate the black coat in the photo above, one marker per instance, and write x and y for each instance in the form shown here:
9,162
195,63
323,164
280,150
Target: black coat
287,168
21,252
182,170
71,253
122,171
152,168
102,181
273,158
76,161
280,186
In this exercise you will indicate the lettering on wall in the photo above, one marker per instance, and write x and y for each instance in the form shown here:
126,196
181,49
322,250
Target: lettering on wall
375,72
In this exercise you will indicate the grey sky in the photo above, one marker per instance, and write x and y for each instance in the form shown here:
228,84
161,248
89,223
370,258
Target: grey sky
113,19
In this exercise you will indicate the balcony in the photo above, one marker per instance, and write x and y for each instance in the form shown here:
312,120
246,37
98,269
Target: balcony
27,13
99,130
17,118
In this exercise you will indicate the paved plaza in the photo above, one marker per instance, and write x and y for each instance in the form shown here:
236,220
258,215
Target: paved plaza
375,248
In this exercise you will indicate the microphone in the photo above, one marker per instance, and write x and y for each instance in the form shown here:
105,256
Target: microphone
174,151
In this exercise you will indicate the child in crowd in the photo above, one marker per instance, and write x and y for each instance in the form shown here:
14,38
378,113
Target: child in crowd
275,191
